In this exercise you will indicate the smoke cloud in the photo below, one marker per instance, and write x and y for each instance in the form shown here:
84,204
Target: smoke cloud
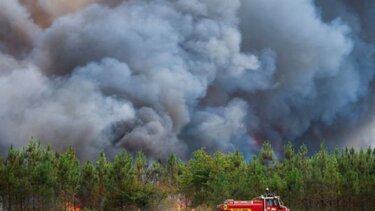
175,75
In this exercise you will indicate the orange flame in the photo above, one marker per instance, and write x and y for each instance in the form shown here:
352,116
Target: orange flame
71,207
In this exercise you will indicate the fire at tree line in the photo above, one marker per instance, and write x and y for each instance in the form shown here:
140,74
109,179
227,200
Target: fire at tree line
37,178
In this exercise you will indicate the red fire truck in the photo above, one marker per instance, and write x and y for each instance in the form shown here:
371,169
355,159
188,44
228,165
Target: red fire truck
267,202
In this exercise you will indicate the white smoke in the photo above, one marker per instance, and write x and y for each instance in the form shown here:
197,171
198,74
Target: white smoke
174,75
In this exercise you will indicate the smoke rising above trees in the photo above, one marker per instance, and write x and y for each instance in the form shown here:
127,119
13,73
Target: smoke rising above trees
175,75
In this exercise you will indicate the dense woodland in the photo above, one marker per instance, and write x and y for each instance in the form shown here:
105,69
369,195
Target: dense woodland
37,178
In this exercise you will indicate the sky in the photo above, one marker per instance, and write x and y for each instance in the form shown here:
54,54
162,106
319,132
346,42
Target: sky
173,76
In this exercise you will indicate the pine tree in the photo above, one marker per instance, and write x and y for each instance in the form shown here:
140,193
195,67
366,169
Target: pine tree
103,168
195,178
89,186
266,154
68,177
123,177
44,179
13,175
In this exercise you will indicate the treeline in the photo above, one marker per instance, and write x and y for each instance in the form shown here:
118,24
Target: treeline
37,178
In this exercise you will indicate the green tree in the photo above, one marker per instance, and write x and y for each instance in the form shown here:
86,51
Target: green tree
39,164
146,194
266,154
257,177
103,168
44,179
15,180
289,153
156,174
326,179
89,186
35,178
123,177
172,169
140,165
194,180
68,177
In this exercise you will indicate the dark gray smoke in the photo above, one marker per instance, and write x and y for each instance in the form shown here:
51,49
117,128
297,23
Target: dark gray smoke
325,64
175,75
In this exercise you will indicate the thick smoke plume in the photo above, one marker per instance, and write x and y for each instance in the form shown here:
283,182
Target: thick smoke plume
167,76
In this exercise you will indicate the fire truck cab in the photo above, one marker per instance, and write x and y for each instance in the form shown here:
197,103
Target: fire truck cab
268,202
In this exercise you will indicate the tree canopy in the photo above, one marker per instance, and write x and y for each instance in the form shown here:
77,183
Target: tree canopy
37,178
